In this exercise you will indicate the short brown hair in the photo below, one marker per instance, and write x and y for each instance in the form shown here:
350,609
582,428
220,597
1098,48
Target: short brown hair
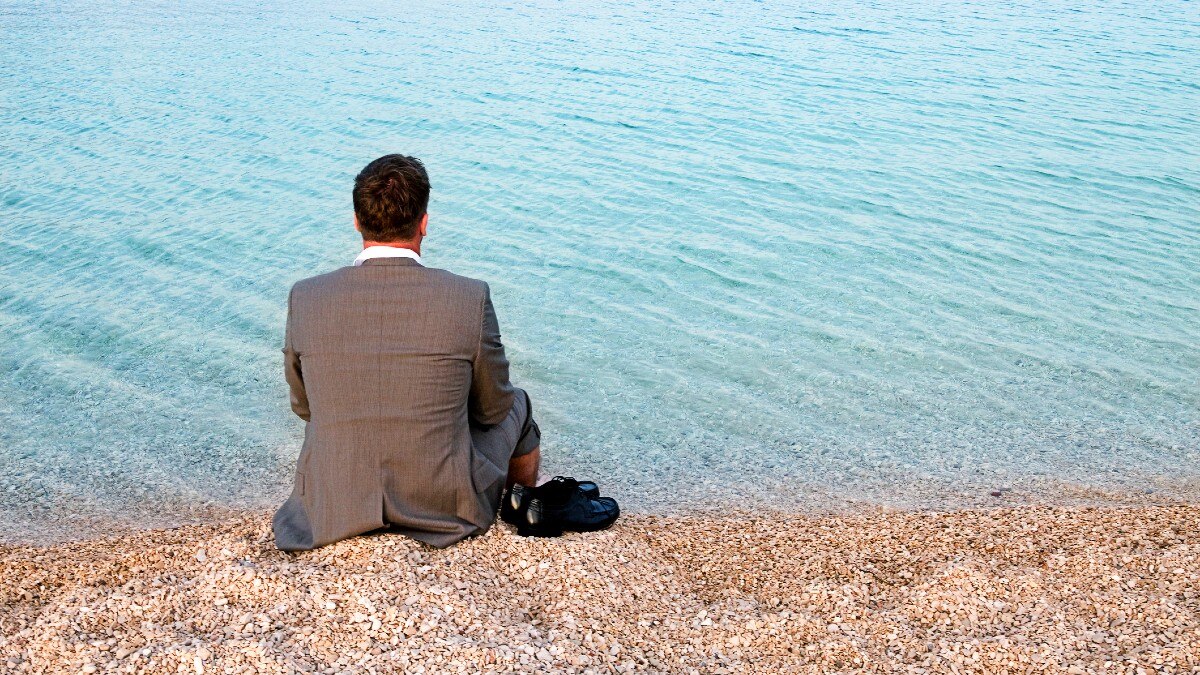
390,196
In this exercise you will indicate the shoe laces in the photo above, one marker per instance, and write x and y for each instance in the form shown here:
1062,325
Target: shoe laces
558,489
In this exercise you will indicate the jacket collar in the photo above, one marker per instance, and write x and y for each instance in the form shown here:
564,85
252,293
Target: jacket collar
407,262
377,252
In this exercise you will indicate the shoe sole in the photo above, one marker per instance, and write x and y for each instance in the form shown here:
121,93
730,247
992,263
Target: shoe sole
525,530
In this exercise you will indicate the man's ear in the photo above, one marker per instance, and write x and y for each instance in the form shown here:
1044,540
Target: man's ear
356,227
424,224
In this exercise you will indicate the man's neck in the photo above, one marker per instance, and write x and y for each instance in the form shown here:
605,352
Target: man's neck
414,246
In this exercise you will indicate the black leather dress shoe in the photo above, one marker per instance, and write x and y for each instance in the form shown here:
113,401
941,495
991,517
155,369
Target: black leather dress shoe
516,499
513,503
562,505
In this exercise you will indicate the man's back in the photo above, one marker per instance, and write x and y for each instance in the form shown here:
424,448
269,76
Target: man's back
396,367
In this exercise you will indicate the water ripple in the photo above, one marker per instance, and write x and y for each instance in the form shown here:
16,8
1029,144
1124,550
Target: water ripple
876,251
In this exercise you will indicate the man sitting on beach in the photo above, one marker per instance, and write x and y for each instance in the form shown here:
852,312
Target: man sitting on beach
399,373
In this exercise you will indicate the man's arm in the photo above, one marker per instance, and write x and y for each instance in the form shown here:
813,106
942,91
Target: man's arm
491,392
291,368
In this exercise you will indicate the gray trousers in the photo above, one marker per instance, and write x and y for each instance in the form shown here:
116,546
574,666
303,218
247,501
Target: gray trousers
519,422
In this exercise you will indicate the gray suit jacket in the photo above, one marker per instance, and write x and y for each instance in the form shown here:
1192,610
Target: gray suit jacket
390,365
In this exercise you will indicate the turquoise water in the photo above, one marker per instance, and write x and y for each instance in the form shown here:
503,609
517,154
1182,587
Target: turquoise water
783,253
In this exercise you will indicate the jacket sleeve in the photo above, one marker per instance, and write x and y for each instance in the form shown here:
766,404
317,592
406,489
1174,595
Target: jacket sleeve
291,368
491,392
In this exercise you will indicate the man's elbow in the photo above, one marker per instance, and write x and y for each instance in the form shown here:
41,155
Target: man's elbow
301,409
492,413
488,419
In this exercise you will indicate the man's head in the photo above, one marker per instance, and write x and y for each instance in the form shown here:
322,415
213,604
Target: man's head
391,196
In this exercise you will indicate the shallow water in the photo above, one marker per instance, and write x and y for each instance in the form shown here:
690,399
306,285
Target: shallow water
787,253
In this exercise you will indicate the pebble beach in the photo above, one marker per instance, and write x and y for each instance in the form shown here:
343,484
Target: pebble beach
1035,588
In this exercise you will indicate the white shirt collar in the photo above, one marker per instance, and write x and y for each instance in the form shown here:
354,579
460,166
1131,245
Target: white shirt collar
385,252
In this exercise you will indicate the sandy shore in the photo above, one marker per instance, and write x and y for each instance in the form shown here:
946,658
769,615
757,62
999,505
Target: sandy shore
1027,589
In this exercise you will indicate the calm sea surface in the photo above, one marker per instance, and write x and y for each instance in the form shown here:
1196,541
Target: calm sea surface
750,252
